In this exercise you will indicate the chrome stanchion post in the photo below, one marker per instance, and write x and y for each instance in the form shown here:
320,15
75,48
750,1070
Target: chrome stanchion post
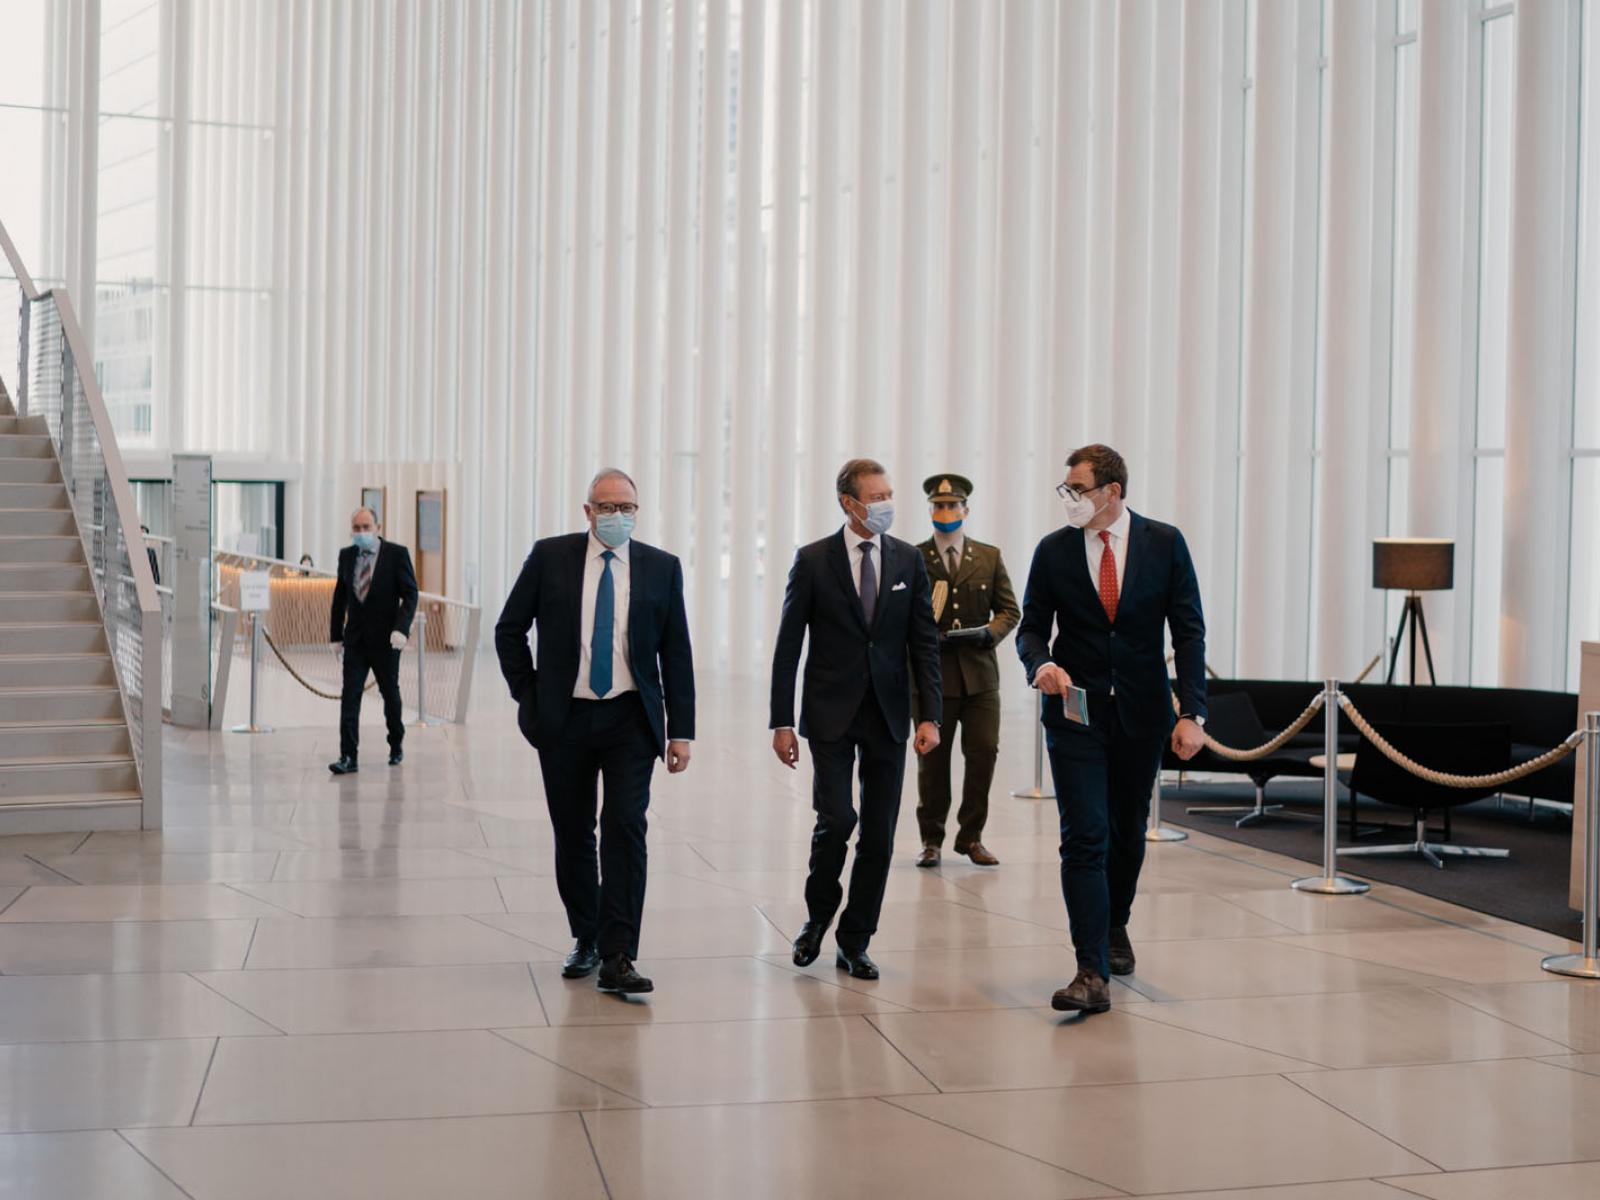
255,725
1587,964
420,625
1037,791
1157,832
1330,882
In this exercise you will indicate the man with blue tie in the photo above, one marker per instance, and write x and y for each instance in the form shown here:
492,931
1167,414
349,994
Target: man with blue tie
1108,586
612,691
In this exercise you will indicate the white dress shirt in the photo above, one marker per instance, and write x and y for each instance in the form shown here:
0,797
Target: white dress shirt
1094,548
853,543
621,661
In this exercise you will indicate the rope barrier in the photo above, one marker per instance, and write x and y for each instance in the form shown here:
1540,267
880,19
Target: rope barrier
1266,748
1497,780
301,679
1370,668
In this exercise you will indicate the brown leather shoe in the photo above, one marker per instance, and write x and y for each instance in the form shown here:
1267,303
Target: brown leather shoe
979,853
929,857
1087,993
1121,950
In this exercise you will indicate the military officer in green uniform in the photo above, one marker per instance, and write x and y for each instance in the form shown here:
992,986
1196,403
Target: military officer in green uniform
975,608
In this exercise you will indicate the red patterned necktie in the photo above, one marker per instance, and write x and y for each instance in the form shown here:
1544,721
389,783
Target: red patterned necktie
1108,577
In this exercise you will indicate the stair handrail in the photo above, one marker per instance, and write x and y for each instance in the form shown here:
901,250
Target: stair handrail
145,724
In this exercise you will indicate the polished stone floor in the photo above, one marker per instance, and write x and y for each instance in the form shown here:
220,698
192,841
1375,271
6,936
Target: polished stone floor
315,988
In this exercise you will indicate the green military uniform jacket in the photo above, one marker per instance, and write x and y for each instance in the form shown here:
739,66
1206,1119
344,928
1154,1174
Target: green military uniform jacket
980,594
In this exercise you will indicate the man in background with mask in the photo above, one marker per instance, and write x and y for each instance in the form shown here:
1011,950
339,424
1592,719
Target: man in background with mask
865,600
975,608
374,601
1107,587
611,691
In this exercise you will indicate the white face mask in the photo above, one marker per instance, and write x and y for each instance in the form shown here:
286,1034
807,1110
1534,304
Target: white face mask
1080,511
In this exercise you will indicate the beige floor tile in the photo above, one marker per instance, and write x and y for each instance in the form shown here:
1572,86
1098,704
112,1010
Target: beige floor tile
41,843
785,855
1473,1115
109,947
1203,969
82,1166
963,977
1036,1047
732,1062
101,1085
1193,1135
384,999
149,868
932,924
18,871
1588,1063
378,835
761,1151
380,897
674,933
1568,1181
1466,955
1350,1189
72,1008
664,891
484,1158
137,902
291,942
397,863
1305,912
1564,1010
1390,1027
386,1076
907,884
702,989
253,840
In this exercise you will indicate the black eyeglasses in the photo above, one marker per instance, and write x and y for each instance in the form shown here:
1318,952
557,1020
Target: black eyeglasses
609,510
1067,492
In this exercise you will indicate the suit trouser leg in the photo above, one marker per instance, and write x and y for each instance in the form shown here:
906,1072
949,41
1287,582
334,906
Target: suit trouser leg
980,747
883,772
386,667
571,772
625,747
832,763
1133,767
933,777
355,669
1079,764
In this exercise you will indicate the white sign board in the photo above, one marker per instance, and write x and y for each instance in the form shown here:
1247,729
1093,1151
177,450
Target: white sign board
255,591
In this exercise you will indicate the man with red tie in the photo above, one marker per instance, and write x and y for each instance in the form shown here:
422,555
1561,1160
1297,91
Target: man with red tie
1107,587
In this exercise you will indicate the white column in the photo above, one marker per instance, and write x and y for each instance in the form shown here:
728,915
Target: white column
616,309
749,394
1128,395
1070,306
647,391
172,231
676,506
1439,491
866,332
583,402
823,253
1006,476
710,509
1160,460
556,508
83,160
1538,479
1344,576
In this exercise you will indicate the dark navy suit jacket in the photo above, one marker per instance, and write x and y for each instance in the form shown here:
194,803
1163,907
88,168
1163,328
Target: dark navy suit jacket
549,594
1159,589
847,656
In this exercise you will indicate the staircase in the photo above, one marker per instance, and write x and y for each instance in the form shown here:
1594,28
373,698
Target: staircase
65,757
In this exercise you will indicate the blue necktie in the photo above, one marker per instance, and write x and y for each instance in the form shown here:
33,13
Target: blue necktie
869,583
605,616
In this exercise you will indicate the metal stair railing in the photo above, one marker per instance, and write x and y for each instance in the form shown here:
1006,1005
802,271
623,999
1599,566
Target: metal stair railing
56,380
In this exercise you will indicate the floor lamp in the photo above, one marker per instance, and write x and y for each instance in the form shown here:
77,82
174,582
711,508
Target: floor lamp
1413,565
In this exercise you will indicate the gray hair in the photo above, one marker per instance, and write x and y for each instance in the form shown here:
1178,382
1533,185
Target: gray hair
606,473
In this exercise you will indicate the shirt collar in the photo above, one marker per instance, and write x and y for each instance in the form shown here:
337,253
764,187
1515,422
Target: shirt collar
597,548
1118,529
853,540
943,541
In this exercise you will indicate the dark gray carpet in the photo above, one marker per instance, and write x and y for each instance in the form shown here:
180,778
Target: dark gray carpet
1530,887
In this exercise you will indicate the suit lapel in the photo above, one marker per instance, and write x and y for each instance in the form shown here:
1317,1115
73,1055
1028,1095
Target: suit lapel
839,556
1078,569
969,562
885,581
1137,528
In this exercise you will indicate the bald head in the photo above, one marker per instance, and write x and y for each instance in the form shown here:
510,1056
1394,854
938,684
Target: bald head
363,520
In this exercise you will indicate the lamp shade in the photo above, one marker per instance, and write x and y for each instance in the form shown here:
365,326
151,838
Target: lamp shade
1414,564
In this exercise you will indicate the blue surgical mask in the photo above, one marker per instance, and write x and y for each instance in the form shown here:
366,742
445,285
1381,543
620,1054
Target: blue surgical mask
948,526
880,516
613,528
365,541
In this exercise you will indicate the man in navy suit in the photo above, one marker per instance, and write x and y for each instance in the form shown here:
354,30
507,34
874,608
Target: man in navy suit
866,600
1108,586
613,690
374,602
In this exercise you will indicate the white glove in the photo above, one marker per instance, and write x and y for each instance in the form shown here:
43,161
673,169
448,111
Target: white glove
397,640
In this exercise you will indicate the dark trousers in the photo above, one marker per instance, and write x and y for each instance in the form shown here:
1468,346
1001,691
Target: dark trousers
608,740
384,663
882,762
978,716
1103,780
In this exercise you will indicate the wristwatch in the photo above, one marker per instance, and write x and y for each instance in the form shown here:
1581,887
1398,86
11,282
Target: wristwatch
1200,721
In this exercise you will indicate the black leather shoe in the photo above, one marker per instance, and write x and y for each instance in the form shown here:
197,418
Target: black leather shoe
345,766
395,758
809,943
617,975
582,961
857,963
1121,951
